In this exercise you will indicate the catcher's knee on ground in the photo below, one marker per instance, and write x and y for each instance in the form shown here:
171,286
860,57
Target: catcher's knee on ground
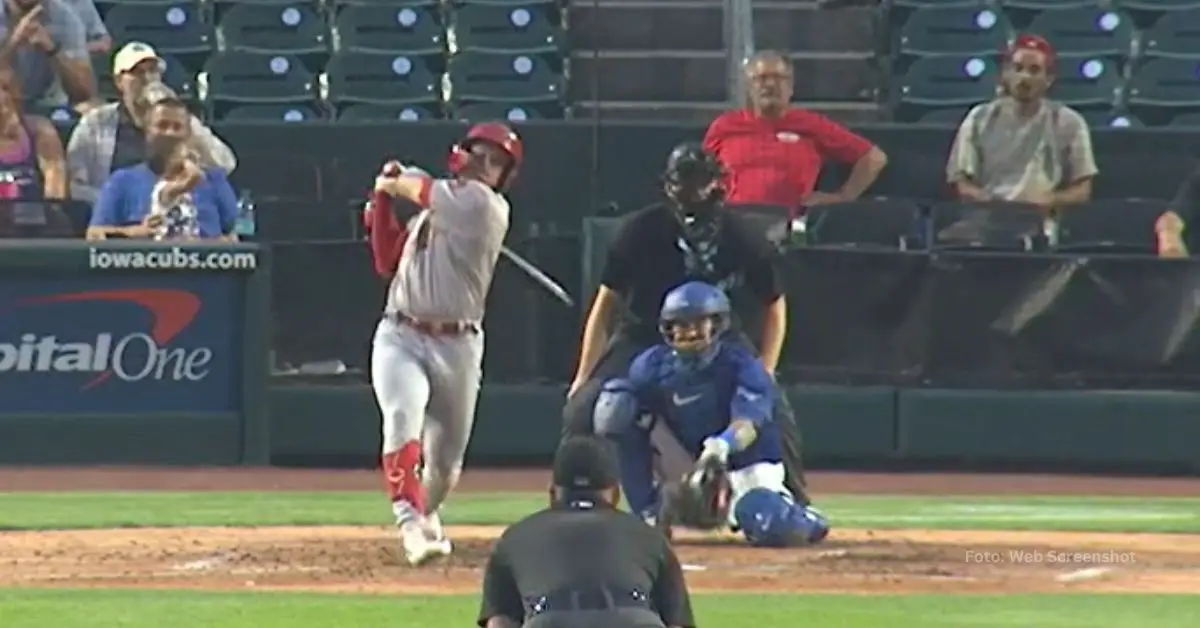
772,519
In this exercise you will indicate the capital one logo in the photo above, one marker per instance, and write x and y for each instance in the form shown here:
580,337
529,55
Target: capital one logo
133,357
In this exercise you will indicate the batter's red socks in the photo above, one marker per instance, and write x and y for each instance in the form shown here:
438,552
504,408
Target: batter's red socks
401,472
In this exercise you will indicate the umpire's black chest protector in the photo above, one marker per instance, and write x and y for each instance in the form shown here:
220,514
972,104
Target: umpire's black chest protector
666,254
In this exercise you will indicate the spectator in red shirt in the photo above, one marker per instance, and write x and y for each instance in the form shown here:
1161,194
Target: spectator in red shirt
773,152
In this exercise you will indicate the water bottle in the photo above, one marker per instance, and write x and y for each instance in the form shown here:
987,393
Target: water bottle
245,225
798,231
10,189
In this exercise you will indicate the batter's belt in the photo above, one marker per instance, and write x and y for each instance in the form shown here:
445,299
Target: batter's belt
434,328
586,599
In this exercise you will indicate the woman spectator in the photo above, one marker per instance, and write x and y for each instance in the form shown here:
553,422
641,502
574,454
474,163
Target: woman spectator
170,196
32,163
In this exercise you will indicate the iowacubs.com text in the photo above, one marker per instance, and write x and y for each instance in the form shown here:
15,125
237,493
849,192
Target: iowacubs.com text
174,258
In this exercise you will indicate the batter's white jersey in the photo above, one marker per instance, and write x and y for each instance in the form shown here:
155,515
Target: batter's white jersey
450,257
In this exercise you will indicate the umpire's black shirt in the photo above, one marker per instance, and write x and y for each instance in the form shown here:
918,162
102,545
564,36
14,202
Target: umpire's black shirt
582,544
649,256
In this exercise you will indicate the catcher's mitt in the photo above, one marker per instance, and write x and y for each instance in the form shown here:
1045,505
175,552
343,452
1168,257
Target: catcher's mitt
698,500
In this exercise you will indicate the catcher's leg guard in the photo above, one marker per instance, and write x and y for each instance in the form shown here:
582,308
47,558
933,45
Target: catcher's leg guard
771,519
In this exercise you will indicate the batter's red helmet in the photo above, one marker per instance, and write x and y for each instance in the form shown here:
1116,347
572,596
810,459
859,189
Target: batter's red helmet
494,133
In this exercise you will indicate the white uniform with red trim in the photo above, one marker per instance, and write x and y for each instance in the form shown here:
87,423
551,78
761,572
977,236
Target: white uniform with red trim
427,380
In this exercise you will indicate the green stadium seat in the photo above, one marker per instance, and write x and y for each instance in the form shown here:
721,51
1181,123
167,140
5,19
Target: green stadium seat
392,28
1087,82
255,78
62,117
952,116
973,30
946,81
1111,120
178,27
493,28
504,78
1043,5
930,4
509,3
1160,5
387,113
279,28
1162,89
484,111
1090,30
175,74
1187,120
380,79
1176,34
274,113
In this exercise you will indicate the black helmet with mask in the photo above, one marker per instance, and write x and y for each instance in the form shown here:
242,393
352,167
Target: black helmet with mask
693,184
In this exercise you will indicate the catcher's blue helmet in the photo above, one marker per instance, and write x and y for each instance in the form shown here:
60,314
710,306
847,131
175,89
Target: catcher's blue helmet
693,316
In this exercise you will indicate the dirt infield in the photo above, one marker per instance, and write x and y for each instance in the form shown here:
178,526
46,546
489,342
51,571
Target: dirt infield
367,559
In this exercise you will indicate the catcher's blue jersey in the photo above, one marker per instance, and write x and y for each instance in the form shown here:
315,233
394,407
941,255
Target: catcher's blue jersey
702,403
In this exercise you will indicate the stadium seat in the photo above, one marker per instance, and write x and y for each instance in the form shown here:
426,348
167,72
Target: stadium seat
952,116
1176,34
509,3
998,226
178,27
963,30
1088,30
393,28
1087,82
484,111
274,113
504,78
387,113
1187,120
494,28
255,78
292,28
1111,120
1160,5
1162,89
63,118
945,81
875,224
380,79
175,75
1043,5
1114,226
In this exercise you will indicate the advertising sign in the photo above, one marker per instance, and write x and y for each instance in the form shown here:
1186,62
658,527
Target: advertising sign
120,344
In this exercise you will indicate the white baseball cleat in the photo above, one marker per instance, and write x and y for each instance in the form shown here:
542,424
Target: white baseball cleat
421,543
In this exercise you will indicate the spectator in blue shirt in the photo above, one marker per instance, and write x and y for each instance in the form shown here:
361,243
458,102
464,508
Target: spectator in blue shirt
169,196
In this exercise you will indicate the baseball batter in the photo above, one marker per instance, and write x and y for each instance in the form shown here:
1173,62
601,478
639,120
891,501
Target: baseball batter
427,354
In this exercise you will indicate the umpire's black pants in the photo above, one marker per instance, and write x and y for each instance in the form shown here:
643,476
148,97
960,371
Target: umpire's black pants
621,350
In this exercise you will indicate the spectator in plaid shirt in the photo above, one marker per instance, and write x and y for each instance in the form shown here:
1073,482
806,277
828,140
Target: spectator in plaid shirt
113,136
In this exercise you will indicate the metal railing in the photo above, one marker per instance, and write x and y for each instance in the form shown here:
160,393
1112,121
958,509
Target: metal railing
739,42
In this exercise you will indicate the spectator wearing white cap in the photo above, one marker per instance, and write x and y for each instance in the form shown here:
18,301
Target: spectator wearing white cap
113,136
45,42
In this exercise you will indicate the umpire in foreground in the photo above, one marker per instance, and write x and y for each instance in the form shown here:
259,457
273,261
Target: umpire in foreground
581,563
689,237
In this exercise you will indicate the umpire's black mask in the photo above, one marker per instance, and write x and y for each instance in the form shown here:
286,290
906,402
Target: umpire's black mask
692,181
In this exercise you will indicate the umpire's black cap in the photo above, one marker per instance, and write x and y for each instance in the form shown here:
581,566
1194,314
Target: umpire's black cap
585,463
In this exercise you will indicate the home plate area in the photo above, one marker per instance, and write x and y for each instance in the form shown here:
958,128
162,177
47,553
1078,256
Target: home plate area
368,560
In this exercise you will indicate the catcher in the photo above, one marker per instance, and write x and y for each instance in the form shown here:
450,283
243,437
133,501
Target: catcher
693,425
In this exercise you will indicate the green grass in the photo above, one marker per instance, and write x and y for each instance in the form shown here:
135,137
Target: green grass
135,609
143,509
131,609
